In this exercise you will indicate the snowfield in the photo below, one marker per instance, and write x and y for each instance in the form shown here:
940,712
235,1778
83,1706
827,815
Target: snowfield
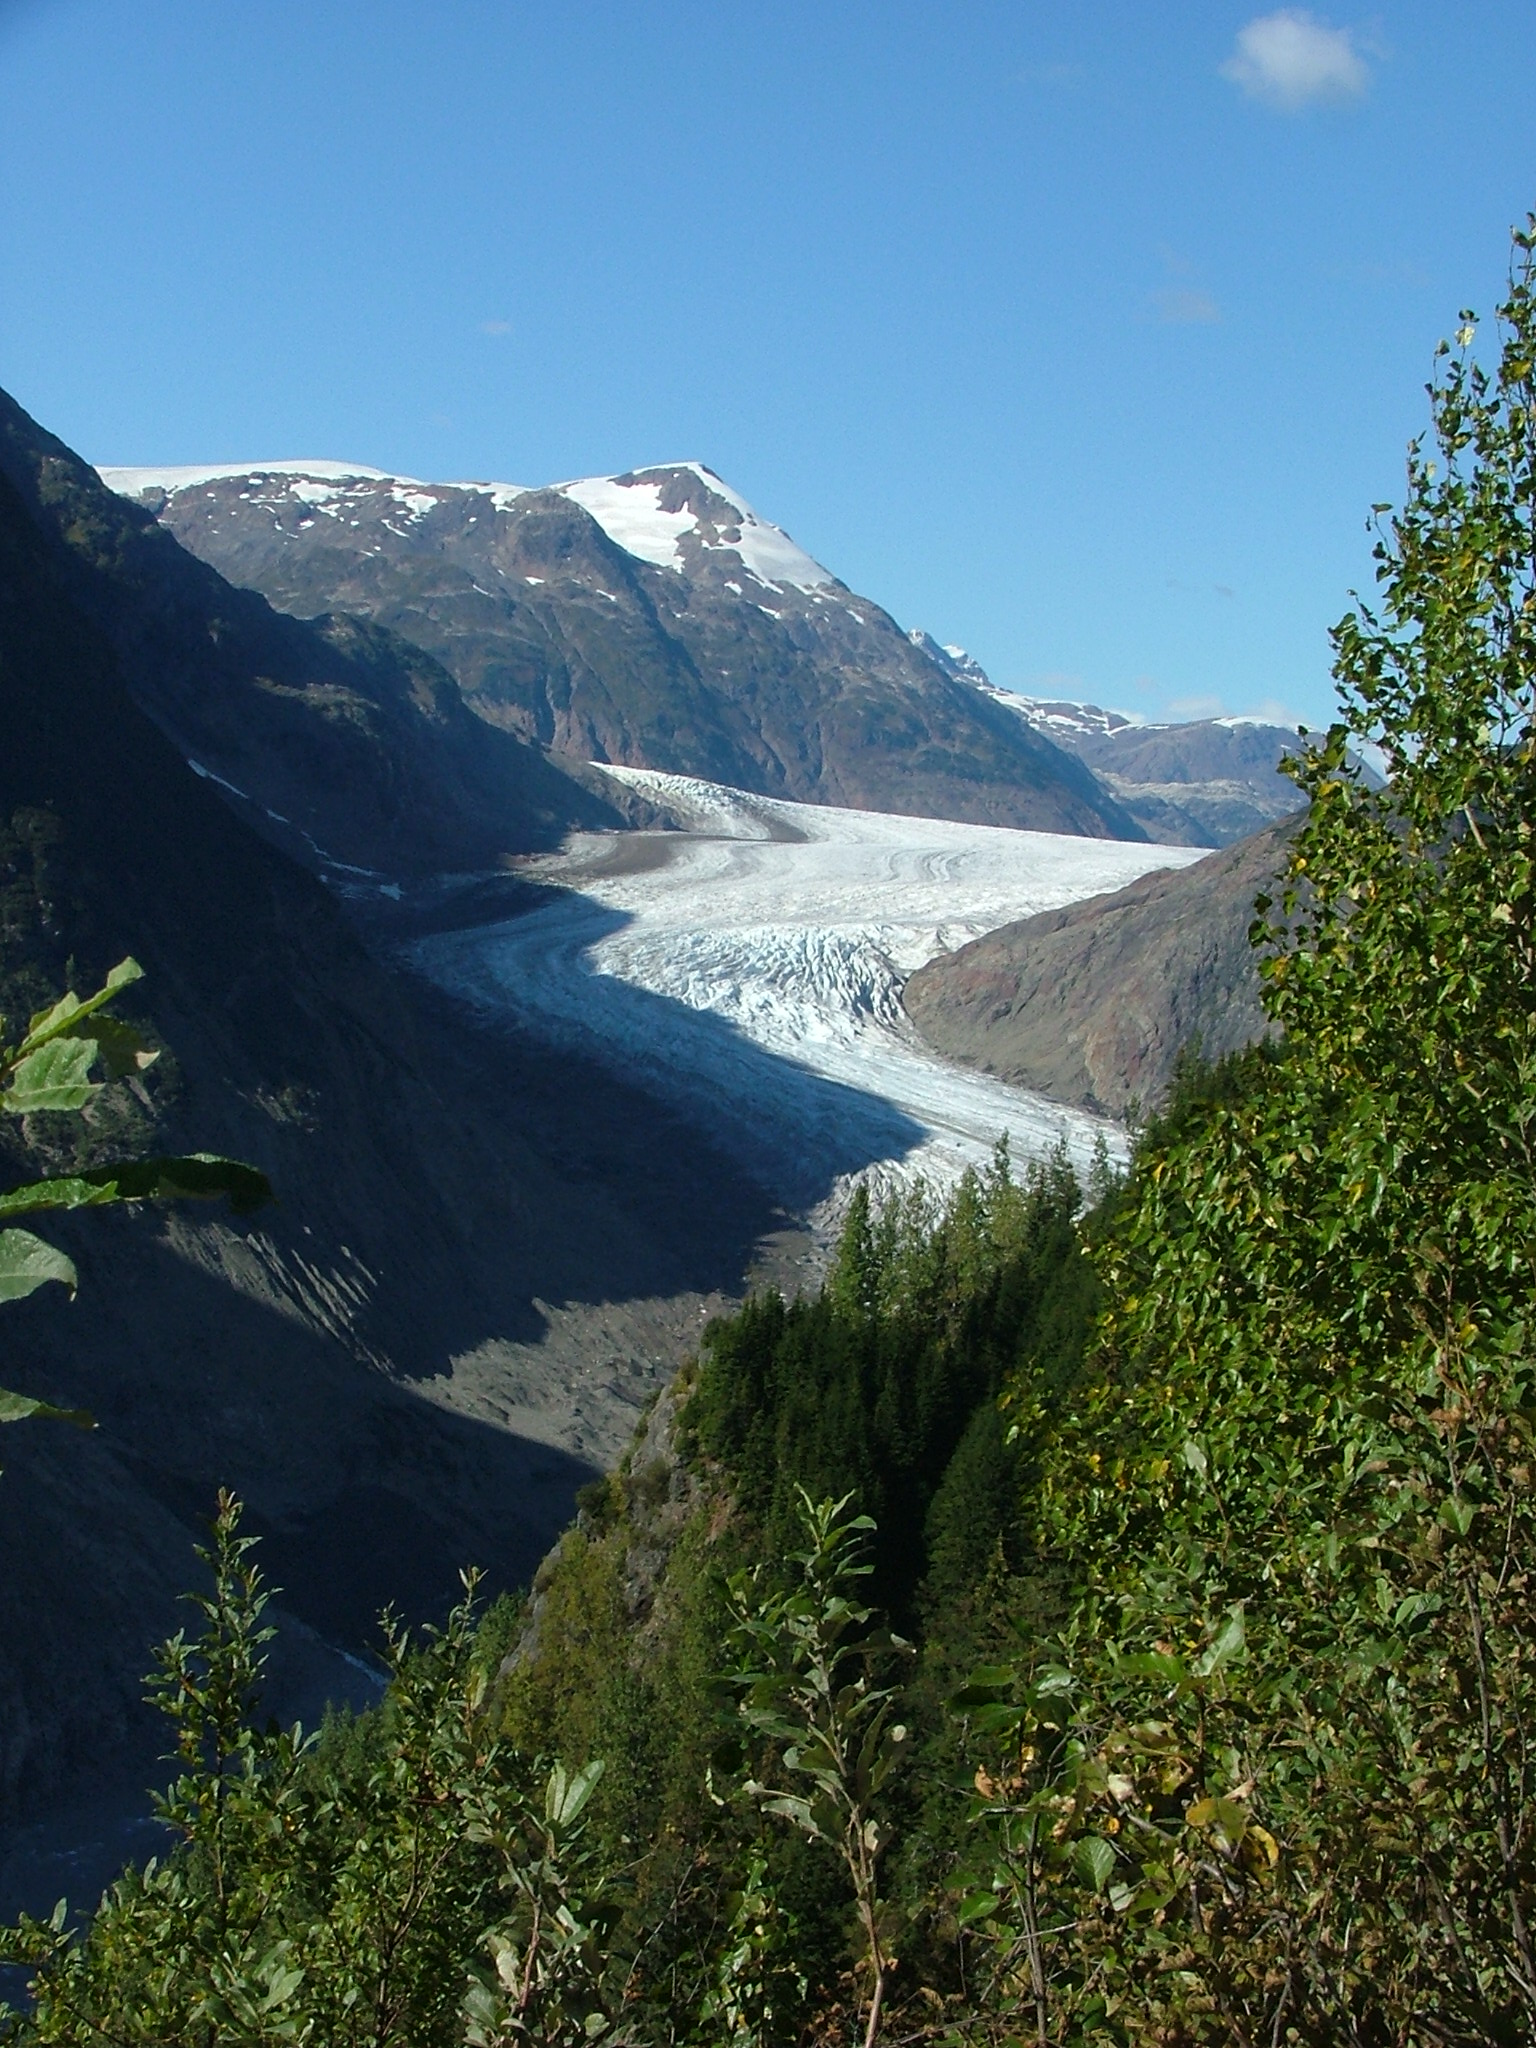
749,970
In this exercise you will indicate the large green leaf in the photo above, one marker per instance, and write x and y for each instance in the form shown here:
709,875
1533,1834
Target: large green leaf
21,1408
69,1191
26,1264
568,1792
56,1076
69,1010
123,1051
202,1175
197,1174
1094,1861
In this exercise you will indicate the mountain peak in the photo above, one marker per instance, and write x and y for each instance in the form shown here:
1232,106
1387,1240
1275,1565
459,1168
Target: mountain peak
649,618
677,515
185,476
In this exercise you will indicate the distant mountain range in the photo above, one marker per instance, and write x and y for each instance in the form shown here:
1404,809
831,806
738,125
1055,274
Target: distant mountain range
1197,782
650,620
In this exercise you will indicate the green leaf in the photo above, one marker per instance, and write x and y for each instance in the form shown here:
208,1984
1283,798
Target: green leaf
195,1175
69,1009
26,1264
1153,1664
55,1077
123,1051
21,1408
70,1191
568,1793
979,1906
1227,1643
1230,1815
1457,1516
1093,1858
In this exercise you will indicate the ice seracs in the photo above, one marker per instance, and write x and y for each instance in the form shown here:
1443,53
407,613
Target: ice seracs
749,969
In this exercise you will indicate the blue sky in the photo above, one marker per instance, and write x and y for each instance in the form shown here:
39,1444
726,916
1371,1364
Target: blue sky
1082,336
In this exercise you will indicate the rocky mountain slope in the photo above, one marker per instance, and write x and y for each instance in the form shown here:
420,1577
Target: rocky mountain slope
350,745
1199,782
1092,1005
482,1257
648,620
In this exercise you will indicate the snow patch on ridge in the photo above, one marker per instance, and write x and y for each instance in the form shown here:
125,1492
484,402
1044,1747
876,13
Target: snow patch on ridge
1054,716
628,508
131,483
632,517
630,512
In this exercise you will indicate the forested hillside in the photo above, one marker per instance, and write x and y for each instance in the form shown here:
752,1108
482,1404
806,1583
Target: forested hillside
1105,1627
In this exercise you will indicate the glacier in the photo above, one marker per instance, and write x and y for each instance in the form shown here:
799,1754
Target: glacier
748,970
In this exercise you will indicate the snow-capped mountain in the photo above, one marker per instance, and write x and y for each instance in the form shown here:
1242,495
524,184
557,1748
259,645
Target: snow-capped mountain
650,619
1067,722
652,515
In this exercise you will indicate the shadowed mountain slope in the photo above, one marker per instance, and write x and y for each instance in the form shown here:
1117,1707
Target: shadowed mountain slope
1092,1005
481,1259
353,747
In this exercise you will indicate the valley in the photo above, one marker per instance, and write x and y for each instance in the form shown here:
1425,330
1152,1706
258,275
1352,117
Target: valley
749,970
767,1028
540,1095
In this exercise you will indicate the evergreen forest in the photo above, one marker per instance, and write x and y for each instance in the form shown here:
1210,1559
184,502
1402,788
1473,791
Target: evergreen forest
1098,1614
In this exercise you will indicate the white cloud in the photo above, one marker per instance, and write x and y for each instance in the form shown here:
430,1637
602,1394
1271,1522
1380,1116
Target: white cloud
495,326
1290,60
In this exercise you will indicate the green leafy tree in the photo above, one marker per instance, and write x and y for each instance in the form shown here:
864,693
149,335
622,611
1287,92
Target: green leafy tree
757,1988
346,1894
549,1952
809,1678
1298,1494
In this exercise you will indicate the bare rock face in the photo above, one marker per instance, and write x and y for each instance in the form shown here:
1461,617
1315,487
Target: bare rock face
1092,1005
